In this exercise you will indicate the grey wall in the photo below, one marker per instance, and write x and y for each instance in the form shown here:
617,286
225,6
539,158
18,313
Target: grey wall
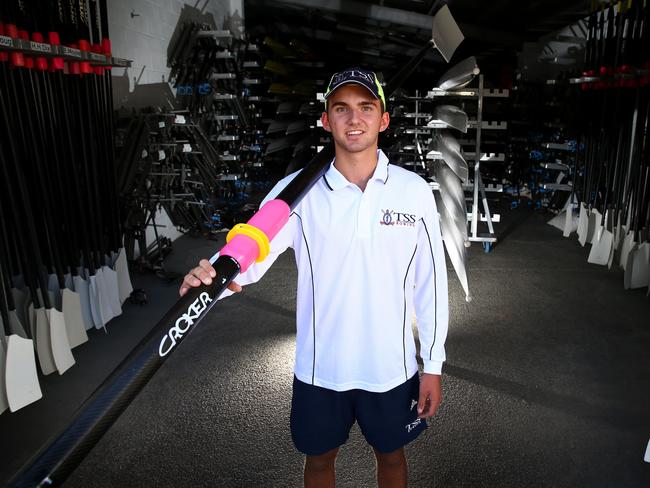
140,30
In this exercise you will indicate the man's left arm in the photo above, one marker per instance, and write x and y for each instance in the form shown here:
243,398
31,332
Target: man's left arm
431,303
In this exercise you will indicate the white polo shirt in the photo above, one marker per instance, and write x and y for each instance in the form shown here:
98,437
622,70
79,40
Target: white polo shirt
367,261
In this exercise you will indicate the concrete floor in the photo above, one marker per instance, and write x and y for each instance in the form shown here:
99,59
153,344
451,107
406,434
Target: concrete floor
547,382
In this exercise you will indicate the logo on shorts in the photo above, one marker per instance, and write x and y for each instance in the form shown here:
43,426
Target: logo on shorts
413,424
390,217
413,403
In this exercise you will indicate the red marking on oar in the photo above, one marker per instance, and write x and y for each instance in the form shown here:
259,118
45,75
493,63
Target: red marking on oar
589,85
645,79
106,50
97,49
29,61
74,67
41,61
626,82
4,56
16,59
56,64
85,67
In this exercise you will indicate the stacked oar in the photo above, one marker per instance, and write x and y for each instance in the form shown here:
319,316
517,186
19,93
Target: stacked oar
450,170
61,231
615,162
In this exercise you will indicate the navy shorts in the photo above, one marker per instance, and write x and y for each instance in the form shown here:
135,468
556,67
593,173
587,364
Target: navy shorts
321,419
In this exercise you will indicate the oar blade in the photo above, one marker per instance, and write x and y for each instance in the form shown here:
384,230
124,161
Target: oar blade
448,145
626,247
593,223
601,249
4,402
640,266
81,287
44,342
445,33
583,225
123,278
21,378
451,115
74,321
454,243
112,291
459,75
61,352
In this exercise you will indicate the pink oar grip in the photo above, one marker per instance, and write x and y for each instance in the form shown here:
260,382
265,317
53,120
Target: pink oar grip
273,215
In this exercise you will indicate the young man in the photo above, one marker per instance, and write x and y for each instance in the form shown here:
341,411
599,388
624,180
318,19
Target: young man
369,254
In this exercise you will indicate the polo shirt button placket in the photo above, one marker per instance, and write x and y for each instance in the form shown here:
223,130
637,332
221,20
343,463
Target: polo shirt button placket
363,219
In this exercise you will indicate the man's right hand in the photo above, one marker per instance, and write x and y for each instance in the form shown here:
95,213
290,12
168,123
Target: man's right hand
203,274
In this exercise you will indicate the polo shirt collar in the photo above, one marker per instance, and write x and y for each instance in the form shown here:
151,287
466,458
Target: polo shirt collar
335,180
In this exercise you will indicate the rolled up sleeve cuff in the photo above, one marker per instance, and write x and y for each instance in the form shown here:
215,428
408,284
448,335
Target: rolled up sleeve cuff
432,367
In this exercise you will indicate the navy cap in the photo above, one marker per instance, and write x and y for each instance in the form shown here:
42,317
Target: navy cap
365,78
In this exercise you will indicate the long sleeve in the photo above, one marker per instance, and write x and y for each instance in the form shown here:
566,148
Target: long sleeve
279,244
430,297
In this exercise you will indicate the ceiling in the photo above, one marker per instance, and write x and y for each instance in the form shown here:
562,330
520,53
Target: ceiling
383,34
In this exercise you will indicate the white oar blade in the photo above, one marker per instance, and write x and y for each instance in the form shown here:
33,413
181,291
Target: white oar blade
448,145
81,288
104,291
113,291
61,352
459,75
626,247
640,263
616,233
627,274
558,221
445,33
44,342
582,225
4,402
94,302
601,249
74,321
593,223
455,245
123,278
451,115
21,378
451,194
570,219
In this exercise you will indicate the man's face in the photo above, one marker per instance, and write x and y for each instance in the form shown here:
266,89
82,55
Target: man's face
354,118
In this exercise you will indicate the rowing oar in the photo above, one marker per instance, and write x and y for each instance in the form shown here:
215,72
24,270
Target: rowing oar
246,243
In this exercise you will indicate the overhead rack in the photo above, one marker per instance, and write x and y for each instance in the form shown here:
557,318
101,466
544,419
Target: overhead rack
44,49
